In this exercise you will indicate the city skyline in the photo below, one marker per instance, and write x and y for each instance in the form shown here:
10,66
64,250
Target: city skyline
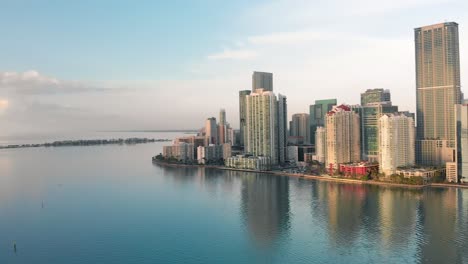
94,88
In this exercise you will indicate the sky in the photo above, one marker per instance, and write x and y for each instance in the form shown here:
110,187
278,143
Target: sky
144,65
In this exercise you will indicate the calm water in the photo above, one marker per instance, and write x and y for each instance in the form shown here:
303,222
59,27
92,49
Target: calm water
110,204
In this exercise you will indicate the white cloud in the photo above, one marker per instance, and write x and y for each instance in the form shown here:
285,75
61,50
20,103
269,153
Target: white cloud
284,38
33,82
229,54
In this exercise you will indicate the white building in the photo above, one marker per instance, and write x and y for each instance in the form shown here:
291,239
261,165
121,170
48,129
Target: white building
342,137
293,153
320,144
266,125
244,162
396,142
213,153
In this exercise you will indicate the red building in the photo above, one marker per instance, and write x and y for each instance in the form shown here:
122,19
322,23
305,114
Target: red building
358,169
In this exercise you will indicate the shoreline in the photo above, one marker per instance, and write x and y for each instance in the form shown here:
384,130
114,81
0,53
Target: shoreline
320,178
86,142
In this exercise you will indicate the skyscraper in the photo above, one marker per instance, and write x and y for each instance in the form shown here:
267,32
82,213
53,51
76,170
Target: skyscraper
369,116
266,125
376,95
262,80
282,116
262,133
243,116
342,137
300,127
461,115
211,130
437,92
396,142
317,115
222,128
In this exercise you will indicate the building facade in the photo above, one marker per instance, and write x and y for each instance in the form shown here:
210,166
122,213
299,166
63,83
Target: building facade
300,127
369,119
377,95
262,123
243,116
320,144
183,152
211,130
282,116
317,114
262,80
461,116
342,137
247,162
437,91
396,142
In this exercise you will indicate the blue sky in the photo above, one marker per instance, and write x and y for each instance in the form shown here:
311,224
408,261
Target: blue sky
120,64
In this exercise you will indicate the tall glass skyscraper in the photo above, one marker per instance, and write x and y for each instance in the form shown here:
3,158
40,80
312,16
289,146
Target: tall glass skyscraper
243,116
437,92
262,80
317,115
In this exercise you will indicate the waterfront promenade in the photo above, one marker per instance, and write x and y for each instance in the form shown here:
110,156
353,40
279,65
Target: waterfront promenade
323,177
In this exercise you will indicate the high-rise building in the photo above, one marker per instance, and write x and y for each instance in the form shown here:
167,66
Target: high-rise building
243,117
211,130
396,142
317,115
262,133
262,80
282,116
300,127
320,144
369,117
461,115
342,136
437,92
376,95
222,128
266,125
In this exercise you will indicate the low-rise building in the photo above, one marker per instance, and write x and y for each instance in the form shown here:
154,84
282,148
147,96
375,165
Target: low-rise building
213,153
358,169
261,163
425,173
183,152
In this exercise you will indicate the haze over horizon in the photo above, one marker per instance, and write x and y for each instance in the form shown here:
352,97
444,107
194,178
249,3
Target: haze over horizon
105,65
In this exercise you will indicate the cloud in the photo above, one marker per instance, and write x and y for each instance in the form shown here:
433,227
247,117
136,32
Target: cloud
33,82
229,54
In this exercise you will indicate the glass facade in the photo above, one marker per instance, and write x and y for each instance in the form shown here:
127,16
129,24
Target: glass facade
317,115
438,87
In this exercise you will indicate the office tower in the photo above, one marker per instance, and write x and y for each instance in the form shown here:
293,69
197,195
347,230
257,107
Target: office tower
437,92
369,117
317,115
211,131
243,117
396,142
376,95
282,116
300,127
222,127
320,144
461,115
262,80
342,136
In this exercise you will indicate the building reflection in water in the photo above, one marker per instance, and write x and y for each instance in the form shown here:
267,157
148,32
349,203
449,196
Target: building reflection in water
440,223
265,207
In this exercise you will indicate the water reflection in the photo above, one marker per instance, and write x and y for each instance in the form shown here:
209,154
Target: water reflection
265,207
359,222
